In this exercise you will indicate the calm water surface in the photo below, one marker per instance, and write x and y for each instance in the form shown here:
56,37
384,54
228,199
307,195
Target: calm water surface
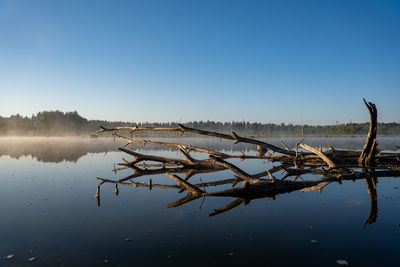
49,211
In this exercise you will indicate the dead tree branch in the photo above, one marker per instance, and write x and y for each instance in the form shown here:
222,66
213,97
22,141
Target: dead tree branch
342,165
367,156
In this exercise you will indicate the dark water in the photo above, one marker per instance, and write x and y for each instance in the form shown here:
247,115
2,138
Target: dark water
49,211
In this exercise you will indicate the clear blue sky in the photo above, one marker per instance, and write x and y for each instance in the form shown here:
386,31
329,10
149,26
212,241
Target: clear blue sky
265,61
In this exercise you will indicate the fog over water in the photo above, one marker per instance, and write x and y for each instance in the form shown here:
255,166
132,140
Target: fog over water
58,149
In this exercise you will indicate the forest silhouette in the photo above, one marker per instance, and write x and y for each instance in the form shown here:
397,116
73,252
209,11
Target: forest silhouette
58,123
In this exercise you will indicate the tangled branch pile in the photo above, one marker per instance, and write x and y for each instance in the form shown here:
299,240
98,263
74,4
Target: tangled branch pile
331,165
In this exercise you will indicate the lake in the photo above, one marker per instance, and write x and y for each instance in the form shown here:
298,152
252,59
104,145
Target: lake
49,211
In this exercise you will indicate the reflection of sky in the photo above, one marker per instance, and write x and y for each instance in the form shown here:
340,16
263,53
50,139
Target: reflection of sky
54,205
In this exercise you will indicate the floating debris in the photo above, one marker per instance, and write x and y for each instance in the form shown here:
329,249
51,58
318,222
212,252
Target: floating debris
105,261
9,256
355,203
231,254
342,262
31,259
314,241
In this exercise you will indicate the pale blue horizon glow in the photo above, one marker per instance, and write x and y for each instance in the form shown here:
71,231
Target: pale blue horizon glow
264,61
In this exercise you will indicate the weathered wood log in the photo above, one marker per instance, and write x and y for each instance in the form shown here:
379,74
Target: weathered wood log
188,161
342,165
320,154
182,129
188,148
367,156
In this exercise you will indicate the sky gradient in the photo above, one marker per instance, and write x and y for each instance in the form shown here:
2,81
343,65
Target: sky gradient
264,61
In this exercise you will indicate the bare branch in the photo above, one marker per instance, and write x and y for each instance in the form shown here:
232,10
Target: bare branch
320,154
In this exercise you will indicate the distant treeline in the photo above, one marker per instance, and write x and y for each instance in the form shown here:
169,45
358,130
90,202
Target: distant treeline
57,123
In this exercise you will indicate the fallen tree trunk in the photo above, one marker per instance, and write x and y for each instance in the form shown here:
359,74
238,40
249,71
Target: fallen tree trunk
182,129
342,165
367,156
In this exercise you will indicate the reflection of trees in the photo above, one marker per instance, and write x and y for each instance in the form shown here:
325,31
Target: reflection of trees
58,149
54,149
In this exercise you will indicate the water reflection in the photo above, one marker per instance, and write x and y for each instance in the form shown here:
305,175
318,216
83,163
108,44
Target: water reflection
71,149
66,226
54,149
373,197
304,180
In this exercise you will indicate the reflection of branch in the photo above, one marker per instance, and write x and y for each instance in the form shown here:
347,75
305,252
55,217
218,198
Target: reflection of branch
242,174
259,189
188,162
97,196
163,186
189,187
137,184
189,172
227,207
373,210
189,197
268,187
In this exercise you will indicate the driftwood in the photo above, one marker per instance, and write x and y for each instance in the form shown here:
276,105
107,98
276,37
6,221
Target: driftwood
320,154
325,166
367,156
182,129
